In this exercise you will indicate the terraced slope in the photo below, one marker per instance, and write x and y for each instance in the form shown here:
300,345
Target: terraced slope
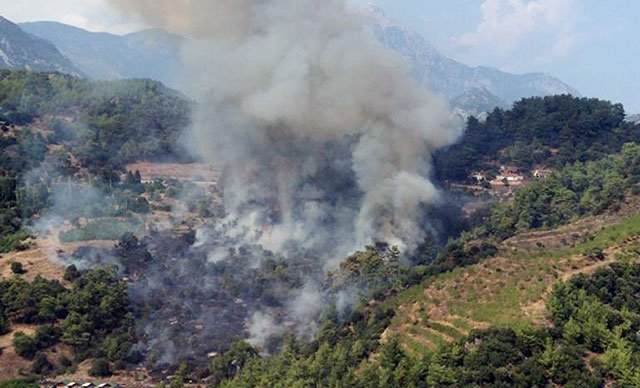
509,289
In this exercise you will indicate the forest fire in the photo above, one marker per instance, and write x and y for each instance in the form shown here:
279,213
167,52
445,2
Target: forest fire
316,160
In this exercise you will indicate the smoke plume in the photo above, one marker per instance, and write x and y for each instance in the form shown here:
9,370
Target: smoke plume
320,132
323,140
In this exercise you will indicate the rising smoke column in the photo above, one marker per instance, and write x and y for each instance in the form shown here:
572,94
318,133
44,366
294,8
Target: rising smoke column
282,85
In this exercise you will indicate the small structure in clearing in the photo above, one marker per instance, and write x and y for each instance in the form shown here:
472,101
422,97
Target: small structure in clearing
508,176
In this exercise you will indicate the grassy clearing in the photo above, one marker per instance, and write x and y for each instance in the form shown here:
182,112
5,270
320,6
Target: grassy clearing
461,324
415,348
429,335
101,229
446,329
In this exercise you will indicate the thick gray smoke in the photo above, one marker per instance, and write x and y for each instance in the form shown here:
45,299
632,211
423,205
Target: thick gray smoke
323,139
281,84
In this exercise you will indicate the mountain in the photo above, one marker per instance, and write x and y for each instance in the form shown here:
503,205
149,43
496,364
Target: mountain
633,119
476,102
450,78
149,53
154,54
21,50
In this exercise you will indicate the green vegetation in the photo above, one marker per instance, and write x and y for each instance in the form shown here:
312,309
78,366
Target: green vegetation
331,360
55,126
22,383
71,273
17,268
101,229
596,317
230,362
575,191
594,341
24,345
601,314
41,365
13,241
94,317
507,290
552,131
100,368
127,120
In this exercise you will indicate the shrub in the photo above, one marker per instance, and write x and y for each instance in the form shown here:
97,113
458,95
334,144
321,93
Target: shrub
47,336
14,241
41,365
24,345
4,324
102,229
17,268
31,382
100,368
71,273
64,361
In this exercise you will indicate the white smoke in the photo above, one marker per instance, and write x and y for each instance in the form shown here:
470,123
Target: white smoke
277,81
323,138
262,326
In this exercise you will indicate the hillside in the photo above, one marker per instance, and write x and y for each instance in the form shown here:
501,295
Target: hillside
315,217
21,50
152,53
549,307
451,78
66,199
538,133
511,289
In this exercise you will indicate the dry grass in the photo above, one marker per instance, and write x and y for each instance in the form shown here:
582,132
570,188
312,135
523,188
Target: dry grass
193,172
39,260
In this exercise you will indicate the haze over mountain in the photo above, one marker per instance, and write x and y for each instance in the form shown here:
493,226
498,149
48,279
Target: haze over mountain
152,53
450,78
634,119
476,102
21,50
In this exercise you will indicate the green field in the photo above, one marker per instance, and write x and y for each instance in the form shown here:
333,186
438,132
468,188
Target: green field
101,229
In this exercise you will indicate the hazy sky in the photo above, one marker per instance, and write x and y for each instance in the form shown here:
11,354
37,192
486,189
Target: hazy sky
591,44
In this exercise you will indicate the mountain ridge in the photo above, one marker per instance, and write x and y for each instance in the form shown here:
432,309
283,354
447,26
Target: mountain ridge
150,53
475,102
449,77
154,53
635,118
21,50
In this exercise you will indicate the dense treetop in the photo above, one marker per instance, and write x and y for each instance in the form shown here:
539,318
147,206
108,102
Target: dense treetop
111,121
550,131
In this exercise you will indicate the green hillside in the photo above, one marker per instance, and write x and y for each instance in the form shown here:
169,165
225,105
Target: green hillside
509,298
